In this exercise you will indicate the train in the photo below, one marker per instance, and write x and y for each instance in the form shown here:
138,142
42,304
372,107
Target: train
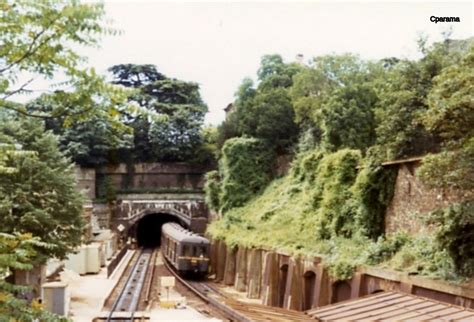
186,251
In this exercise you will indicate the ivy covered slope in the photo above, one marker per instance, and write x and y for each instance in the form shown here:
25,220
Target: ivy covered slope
326,207
351,115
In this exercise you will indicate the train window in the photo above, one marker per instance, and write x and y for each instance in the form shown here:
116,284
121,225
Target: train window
187,250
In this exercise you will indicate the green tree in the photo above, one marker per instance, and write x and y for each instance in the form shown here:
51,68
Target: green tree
271,119
177,138
266,112
333,99
403,96
450,115
40,196
90,142
274,73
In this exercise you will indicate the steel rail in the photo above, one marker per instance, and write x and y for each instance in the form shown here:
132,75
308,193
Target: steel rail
117,300
130,284
153,269
221,307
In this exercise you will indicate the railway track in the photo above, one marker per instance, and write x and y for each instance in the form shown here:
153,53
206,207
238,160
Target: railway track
235,310
134,293
135,289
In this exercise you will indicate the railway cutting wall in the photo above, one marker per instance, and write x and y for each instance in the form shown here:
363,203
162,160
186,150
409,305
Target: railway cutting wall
302,283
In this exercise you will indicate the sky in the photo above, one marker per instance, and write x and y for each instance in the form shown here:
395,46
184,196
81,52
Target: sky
217,44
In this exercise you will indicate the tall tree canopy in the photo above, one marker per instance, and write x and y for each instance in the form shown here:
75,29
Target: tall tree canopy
334,97
90,142
265,111
177,138
403,93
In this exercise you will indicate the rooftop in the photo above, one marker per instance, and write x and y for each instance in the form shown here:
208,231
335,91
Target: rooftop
392,306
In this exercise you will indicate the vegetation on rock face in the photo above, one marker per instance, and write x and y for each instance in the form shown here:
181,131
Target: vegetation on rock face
331,195
352,115
373,191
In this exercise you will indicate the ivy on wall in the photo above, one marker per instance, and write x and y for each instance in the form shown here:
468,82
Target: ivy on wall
372,191
245,169
212,189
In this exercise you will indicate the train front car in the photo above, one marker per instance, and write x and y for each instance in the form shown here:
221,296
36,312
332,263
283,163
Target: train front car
186,251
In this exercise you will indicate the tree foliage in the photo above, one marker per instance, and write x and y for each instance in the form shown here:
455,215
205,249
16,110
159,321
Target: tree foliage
451,116
259,108
178,135
17,251
40,39
403,101
334,96
40,197
90,142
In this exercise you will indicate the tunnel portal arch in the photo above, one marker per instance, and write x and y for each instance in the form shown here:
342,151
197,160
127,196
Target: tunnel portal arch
147,229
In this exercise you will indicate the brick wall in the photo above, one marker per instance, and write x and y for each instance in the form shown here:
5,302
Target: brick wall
412,200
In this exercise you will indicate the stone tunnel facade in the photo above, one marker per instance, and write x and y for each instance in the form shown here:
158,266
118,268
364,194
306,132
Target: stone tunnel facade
141,219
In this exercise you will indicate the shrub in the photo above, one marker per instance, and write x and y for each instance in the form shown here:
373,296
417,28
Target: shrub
336,173
455,234
385,248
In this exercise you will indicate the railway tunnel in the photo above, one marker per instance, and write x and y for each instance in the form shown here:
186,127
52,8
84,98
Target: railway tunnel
148,228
